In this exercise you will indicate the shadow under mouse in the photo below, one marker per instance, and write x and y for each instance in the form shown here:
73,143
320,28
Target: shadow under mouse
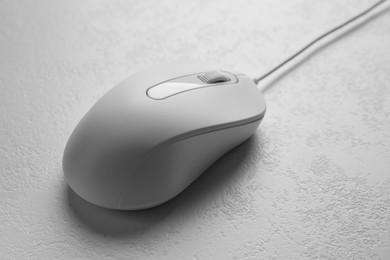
132,224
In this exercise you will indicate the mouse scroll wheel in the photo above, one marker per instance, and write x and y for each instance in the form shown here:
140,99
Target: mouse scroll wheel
214,77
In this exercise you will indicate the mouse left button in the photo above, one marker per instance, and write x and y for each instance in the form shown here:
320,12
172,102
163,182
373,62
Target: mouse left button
191,82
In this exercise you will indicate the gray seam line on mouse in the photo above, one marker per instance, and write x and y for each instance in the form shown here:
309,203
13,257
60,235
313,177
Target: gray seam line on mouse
187,136
205,86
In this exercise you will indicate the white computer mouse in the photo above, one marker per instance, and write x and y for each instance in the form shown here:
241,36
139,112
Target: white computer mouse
154,133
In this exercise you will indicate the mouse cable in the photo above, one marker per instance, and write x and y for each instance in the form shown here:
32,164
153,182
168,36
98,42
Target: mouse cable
307,46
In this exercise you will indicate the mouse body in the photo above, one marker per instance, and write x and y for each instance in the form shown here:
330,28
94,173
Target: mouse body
154,133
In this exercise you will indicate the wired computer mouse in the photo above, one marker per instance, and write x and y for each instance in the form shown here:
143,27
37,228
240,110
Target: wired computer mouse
153,134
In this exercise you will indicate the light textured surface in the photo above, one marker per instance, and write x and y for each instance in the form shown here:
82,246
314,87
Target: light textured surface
312,183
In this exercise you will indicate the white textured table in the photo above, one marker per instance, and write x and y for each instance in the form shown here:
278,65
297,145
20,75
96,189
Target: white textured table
314,182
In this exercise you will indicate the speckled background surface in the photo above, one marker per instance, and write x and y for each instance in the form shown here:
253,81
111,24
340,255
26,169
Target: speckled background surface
313,183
